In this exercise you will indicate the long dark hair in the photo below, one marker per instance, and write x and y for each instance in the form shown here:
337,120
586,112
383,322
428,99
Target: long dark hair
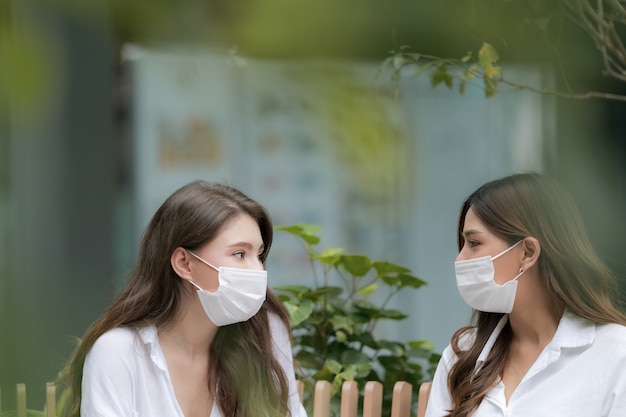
572,274
250,379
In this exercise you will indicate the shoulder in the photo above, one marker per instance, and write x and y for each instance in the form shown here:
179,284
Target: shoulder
278,327
117,338
612,335
121,342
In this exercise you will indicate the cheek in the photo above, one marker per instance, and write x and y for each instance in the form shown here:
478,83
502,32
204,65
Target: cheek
213,283
504,273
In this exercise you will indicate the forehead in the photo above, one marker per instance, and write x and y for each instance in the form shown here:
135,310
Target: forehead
473,224
242,228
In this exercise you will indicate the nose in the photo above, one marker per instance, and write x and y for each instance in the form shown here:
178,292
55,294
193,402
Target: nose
461,256
255,263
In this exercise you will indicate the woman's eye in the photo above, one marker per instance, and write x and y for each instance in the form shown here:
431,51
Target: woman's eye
471,243
239,255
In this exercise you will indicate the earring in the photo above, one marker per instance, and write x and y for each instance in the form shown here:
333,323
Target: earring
521,270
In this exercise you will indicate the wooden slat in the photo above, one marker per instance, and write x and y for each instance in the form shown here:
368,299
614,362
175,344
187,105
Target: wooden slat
321,399
21,400
300,389
422,398
349,399
51,400
373,399
401,401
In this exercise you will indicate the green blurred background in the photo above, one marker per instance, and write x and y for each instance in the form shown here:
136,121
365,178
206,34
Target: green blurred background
64,116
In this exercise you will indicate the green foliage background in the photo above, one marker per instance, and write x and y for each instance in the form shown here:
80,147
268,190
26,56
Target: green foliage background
334,326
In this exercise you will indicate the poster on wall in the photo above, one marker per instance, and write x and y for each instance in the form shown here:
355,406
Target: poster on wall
183,124
314,142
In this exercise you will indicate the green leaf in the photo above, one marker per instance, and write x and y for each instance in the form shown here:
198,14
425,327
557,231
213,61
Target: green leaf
403,280
490,87
305,231
340,322
333,366
341,336
357,265
369,289
421,344
296,290
391,314
487,58
394,348
298,312
308,360
407,280
355,358
386,268
441,75
325,292
471,72
330,256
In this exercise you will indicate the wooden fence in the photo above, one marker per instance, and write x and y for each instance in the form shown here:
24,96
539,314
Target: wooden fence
51,400
372,399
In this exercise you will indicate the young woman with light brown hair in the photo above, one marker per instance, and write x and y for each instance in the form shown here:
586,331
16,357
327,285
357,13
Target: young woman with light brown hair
548,335
196,332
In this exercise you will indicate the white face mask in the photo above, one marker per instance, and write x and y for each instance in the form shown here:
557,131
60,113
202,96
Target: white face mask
240,295
474,279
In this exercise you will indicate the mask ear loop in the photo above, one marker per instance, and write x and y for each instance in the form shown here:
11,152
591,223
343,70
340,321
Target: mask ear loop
204,262
201,260
506,250
195,285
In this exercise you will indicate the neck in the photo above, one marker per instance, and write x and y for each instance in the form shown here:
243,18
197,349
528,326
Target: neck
534,318
536,328
192,333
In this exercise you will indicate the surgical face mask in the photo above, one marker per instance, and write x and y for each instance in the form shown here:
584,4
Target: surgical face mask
474,279
240,295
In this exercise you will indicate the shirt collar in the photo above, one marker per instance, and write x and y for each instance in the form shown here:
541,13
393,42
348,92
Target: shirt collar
490,342
573,331
150,338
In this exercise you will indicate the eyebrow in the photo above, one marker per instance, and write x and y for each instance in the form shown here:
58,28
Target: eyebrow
471,232
246,245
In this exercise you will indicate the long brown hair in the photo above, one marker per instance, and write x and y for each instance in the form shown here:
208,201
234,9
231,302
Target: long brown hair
191,217
572,274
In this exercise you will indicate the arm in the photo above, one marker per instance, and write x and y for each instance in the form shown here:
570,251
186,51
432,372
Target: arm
439,399
107,388
281,340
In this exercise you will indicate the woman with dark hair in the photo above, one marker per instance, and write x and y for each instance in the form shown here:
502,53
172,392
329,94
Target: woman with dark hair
548,336
196,332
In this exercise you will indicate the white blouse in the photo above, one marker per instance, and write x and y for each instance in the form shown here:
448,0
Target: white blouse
125,374
580,373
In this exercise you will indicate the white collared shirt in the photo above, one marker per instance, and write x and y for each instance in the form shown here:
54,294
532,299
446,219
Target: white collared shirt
580,373
125,374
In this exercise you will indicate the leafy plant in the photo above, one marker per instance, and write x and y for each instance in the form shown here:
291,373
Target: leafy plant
334,325
482,70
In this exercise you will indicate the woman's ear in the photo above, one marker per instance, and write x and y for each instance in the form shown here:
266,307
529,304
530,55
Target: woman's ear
180,263
532,249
